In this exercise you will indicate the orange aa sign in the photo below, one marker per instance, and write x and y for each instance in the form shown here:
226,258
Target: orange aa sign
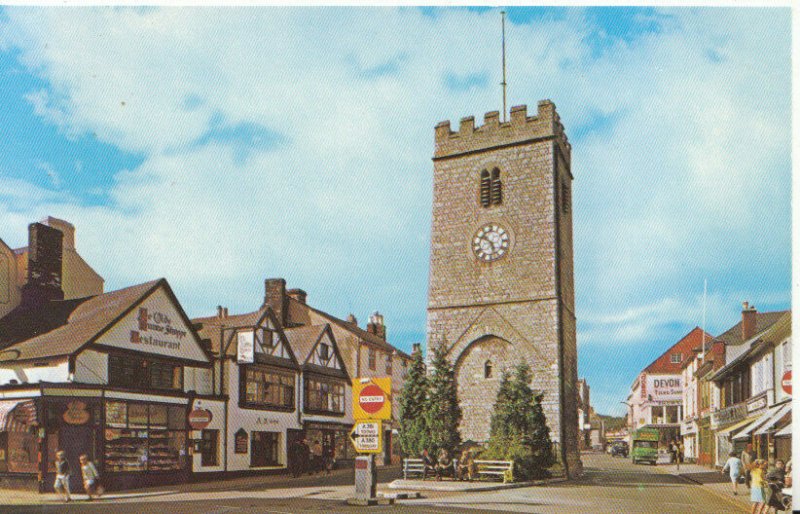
372,398
786,382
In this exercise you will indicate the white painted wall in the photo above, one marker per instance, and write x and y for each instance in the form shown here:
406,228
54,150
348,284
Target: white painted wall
30,374
217,409
91,367
255,420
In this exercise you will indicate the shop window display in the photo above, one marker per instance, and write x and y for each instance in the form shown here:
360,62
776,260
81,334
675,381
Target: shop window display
143,437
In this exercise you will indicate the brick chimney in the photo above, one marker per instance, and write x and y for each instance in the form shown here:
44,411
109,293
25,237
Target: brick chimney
351,318
45,251
275,298
749,314
298,295
376,326
416,347
66,228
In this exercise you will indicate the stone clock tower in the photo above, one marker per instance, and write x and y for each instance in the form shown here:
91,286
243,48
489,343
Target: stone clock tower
501,276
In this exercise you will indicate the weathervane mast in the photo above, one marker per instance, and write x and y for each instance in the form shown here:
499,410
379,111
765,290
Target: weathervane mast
504,84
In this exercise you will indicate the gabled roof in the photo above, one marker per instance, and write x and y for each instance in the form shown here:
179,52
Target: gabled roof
211,326
61,328
304,339
663,364
764,320
362,334
779,327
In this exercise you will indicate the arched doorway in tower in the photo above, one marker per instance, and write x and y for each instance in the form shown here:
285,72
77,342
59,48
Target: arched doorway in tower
479,370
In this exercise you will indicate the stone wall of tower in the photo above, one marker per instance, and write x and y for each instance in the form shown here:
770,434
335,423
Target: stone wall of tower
521,306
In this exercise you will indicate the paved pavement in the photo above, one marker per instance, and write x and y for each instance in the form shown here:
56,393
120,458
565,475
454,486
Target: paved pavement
610,485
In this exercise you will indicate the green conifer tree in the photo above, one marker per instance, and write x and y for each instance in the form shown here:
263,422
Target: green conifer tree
412,402
519,429
442,413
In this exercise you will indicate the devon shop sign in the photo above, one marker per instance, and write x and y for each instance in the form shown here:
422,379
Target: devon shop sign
663,389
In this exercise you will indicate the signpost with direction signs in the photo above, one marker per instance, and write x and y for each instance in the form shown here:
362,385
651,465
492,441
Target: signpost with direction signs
367,437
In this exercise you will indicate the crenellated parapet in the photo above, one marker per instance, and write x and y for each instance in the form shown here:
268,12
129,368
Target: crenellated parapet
494,133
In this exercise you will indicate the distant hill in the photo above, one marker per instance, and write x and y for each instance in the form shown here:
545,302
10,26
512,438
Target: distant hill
613,423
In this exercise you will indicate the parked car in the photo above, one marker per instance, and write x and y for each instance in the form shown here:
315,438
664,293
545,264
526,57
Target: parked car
619,449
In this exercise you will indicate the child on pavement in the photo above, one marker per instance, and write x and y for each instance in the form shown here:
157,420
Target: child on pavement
734,468
757,485
90,477
61,485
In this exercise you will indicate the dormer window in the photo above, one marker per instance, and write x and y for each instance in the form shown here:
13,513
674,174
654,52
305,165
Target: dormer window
676,358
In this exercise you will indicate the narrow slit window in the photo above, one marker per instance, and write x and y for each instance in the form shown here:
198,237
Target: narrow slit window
491,188
487,369
486,187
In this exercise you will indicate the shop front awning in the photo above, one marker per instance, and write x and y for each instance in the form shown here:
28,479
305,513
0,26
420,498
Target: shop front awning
761,420
776,416
17,415
735,426
785,431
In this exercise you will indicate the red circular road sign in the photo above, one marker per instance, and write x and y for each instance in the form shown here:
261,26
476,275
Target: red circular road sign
371,399
786,382
200,418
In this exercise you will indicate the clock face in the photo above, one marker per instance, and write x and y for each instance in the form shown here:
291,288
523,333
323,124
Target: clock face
490,242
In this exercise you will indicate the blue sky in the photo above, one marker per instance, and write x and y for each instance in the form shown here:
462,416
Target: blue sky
219,147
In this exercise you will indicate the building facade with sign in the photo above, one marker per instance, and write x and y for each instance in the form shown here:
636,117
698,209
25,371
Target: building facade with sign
755,408
656,397
284,384
114,376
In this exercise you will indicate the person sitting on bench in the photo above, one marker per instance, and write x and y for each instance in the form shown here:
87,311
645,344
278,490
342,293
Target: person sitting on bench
444,464
427,463
466,465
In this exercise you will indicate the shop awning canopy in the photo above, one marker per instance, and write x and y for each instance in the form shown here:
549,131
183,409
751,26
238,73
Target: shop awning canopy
764,418
17,415
776,416
785,431
735,426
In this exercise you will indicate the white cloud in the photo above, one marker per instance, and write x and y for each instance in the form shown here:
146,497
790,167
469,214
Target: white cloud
673,186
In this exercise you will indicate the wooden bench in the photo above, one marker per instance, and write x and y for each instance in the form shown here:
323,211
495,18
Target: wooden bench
495,469
413,467
416,467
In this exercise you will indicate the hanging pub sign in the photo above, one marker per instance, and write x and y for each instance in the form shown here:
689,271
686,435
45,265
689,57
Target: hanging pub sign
245,348
240,441
200,418
76,413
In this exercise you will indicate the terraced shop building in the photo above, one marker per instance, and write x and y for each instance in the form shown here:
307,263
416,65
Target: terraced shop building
115,376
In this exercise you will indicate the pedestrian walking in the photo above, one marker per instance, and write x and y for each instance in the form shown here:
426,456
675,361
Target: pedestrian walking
757,484
747,460
295,458
61,484
735,468
680,453
327,460
91,478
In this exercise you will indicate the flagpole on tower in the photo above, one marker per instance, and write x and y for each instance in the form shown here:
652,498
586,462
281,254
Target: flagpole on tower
504,84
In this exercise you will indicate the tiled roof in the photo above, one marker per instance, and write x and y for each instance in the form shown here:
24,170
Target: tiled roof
60,328
764,320
211,326
354,329
664,364
303,339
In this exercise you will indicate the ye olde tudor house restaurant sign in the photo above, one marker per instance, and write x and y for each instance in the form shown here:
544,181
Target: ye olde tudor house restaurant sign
155,326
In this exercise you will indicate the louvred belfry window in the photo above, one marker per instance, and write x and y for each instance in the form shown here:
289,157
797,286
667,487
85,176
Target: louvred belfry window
491,188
